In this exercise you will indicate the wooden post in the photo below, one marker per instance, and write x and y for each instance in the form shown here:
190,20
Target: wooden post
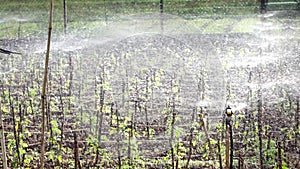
263,6
161,5
65,17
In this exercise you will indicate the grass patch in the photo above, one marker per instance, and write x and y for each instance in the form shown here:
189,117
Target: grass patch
23,18
246,25
91,9
219,25
199,23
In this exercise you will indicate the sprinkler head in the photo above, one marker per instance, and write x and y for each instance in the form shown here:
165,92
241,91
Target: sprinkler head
228,111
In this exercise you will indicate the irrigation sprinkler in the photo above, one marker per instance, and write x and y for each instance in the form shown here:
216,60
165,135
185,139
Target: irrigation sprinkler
228,111
229,156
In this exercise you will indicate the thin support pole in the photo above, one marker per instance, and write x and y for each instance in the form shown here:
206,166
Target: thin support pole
227,147
231,146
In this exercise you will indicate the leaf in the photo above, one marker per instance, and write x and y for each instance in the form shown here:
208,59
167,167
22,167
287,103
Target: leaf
22,151
194,143
59,158
175,89
24,145
32,92
177,133
54,123
236,125
213,141
17,127
112,131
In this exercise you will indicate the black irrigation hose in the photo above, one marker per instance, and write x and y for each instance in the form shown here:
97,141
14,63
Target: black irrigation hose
8,52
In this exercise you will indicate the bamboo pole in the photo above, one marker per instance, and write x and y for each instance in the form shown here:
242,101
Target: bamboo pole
76,154
205,130
118,139
259,123
279,156
2,137
191,140
297,118
219,155
44,87
16,136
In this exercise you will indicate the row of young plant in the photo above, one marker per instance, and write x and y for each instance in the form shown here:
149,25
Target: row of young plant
267,128
137,119
20,106
90,125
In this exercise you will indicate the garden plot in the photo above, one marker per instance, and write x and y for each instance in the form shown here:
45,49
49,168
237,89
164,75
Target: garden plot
149,92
